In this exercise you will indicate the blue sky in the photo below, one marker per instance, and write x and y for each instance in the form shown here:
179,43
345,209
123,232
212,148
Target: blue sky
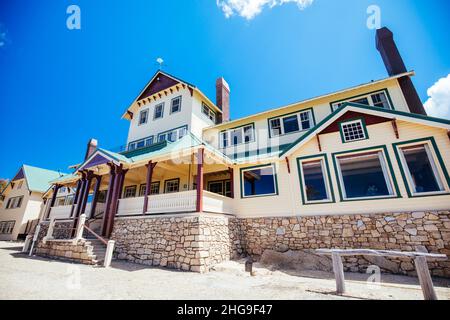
60,87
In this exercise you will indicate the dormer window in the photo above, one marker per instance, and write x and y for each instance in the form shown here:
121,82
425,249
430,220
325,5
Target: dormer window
377,99
143,116
291,123
176,105
159,111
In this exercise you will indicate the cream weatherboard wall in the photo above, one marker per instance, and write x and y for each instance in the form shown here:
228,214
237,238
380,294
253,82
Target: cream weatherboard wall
289,202
29,209
321,109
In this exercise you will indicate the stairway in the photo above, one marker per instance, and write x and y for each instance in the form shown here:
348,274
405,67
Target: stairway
98,249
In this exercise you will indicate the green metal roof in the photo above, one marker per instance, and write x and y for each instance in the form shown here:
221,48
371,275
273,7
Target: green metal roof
38,179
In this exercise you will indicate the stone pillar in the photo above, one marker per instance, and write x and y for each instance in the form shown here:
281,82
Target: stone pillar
96,192
150,166
200,158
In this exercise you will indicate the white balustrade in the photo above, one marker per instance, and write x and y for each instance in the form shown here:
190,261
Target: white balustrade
213,202
130,206
60,212
185,201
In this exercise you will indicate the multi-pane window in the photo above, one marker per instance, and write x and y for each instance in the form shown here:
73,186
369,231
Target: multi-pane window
208,112
143,116
421,169
259,181
140,143
353,131
154,188
172,185
176,105
7,227
378,99
69,200
314,181
364,176
291,123
129,192
159,111
222,187
14,202
233,137
172,135
60,201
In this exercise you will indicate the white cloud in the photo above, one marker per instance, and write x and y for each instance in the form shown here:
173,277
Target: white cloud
249,9
438,103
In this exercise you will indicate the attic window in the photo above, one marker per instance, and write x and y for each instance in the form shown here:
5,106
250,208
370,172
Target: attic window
376,99
353,131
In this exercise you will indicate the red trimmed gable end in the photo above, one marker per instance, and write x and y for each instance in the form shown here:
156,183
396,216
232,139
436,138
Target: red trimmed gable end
368,119
159,83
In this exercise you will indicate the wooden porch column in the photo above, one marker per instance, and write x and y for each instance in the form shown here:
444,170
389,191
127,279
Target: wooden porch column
75,199
95,200
231,170
52,202
120,178
150,166
80,196
200,158
112,178
84,199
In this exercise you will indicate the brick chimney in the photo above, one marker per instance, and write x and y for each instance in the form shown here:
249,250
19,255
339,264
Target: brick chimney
394,65
223,98
91,147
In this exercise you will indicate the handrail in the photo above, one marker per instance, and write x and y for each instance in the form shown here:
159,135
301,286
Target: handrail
96,235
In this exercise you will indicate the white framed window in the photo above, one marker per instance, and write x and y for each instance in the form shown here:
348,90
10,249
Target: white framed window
143,117
7,227
142,143
421,170
129,192
353,130
14,202
208,112
258,181
159,111
315,181
364,176
175,105
291,123
236,136
172,185
376,99
173,135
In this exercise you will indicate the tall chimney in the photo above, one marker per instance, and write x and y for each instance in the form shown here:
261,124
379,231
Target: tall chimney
91,147
394,65
223,98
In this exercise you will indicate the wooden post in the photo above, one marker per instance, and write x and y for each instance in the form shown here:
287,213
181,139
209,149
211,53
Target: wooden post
77,196
200,155
112,178
231,170
423,273
338,269
148,185
95,200
52,202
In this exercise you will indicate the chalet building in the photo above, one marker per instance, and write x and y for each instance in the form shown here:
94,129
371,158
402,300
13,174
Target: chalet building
23,201
363,167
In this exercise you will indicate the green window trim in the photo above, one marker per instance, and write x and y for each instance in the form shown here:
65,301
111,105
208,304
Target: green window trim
364,127
430,141
323,157
390,169
385,90
241,184
288,114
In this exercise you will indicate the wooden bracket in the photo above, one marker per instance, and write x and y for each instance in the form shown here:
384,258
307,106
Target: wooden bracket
318,142
288,165
394,126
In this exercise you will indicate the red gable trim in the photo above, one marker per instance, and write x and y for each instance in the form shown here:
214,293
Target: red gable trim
159,83
368,118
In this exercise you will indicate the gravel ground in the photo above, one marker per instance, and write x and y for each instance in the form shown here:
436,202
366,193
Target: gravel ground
23,277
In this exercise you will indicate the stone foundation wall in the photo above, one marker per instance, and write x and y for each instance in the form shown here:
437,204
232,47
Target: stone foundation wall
398,231
193,243
67,250
64,233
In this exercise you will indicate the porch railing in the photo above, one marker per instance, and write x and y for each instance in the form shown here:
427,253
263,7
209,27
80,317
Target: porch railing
185,201
213,202
60,212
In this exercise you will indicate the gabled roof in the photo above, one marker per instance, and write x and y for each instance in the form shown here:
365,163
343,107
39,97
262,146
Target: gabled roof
349,106
37,179
159,82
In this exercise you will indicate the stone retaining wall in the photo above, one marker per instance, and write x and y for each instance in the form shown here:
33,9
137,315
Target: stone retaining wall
64,233
67,250
193,243
398,231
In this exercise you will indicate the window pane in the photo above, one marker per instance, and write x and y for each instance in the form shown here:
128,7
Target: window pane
149,141
305,120
380,100
275,127
259,181
363,176
224,139
162,137
176,103
154,188
143,117
236,136
216,187
172,136
421,170
290,124
130,192
140,144
315,185
248,133
362,101
353,131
